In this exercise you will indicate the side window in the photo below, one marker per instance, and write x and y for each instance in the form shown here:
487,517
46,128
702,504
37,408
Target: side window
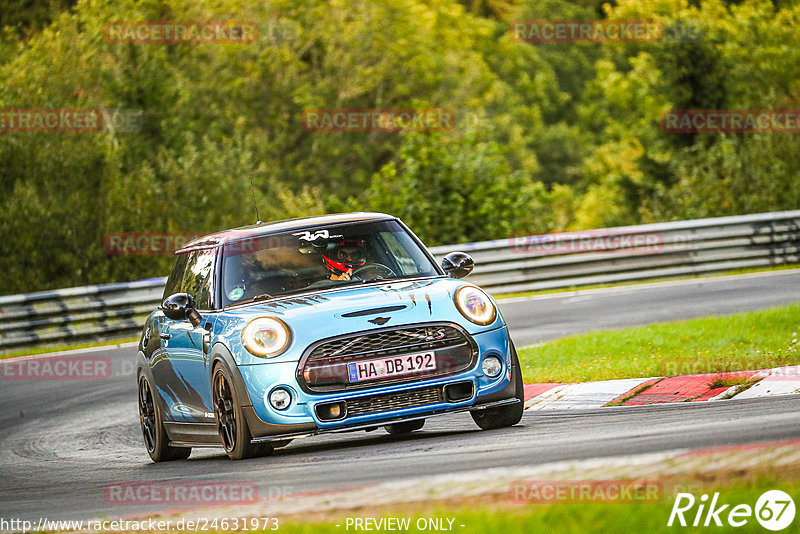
174,281
400,254
197,277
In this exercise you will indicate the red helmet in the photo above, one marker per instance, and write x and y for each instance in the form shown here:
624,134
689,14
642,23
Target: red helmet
348,254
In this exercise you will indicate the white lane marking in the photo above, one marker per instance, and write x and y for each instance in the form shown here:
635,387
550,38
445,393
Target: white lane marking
637,287
729,393
586,395
550,393
778,381
590,395
768,389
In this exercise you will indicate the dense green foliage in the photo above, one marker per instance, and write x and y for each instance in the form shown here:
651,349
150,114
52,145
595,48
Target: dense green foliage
549,136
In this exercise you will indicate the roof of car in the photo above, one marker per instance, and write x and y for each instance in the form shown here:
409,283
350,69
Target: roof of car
265,228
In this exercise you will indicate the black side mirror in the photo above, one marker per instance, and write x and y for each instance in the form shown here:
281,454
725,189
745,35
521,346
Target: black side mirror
458,264
181,307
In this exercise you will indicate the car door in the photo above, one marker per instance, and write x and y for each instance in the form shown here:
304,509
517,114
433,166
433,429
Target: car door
185,373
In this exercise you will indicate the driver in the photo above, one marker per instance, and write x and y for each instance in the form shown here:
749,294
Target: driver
348,255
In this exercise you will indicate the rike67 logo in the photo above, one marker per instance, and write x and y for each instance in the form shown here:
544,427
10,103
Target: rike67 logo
774,510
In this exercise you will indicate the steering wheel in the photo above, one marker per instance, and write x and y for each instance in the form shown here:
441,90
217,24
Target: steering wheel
385,271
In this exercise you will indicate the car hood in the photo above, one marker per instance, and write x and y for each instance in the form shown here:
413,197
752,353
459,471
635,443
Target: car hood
316,316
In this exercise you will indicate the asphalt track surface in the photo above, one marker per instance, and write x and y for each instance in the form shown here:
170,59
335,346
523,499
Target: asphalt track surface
63,442
550,316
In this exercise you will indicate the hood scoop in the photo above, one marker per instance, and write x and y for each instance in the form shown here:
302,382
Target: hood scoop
374,311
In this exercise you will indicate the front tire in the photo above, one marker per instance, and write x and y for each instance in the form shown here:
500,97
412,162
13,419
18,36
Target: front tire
503,416
231,424
156,440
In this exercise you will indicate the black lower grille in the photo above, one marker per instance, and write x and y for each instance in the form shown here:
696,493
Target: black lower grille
394,401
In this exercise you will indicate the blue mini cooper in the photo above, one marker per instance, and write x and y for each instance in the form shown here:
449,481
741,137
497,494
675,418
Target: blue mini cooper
325,324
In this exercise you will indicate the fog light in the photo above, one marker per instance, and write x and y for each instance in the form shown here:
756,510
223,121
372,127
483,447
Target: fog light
280,398
491,366
331,411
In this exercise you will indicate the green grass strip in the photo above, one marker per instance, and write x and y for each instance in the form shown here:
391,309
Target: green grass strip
580,517
754,340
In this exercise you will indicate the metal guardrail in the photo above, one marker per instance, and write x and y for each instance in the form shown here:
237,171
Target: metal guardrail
524,263
661,250
77,314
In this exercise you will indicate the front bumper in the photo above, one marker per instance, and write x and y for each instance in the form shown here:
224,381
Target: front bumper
300,433
301,418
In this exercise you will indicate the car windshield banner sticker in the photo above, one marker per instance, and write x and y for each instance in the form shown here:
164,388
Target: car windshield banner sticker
318,234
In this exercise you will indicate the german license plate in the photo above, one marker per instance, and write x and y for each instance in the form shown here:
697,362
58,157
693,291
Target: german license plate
392,366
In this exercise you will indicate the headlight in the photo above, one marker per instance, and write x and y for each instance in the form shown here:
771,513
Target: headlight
266,337
475,305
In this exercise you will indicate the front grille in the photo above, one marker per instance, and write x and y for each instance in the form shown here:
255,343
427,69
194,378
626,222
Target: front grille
388,342
324,367
394,401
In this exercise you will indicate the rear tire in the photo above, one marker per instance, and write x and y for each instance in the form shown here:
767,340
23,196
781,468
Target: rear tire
156,440
503,416
231,424
406,427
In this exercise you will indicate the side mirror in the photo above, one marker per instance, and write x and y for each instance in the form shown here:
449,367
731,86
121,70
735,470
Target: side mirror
458,264
181,307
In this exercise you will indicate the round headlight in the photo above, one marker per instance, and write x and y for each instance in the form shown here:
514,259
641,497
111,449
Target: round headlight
280,398
475,305
491,366
266,337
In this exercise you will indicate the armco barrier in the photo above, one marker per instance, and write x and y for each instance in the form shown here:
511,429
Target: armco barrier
683,248
661,250
77,314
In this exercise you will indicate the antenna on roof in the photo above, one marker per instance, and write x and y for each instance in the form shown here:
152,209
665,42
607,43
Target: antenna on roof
253,190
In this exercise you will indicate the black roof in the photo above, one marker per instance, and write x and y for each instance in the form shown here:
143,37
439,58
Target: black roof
265,228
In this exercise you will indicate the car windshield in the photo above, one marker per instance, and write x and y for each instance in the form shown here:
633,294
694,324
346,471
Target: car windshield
320,258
